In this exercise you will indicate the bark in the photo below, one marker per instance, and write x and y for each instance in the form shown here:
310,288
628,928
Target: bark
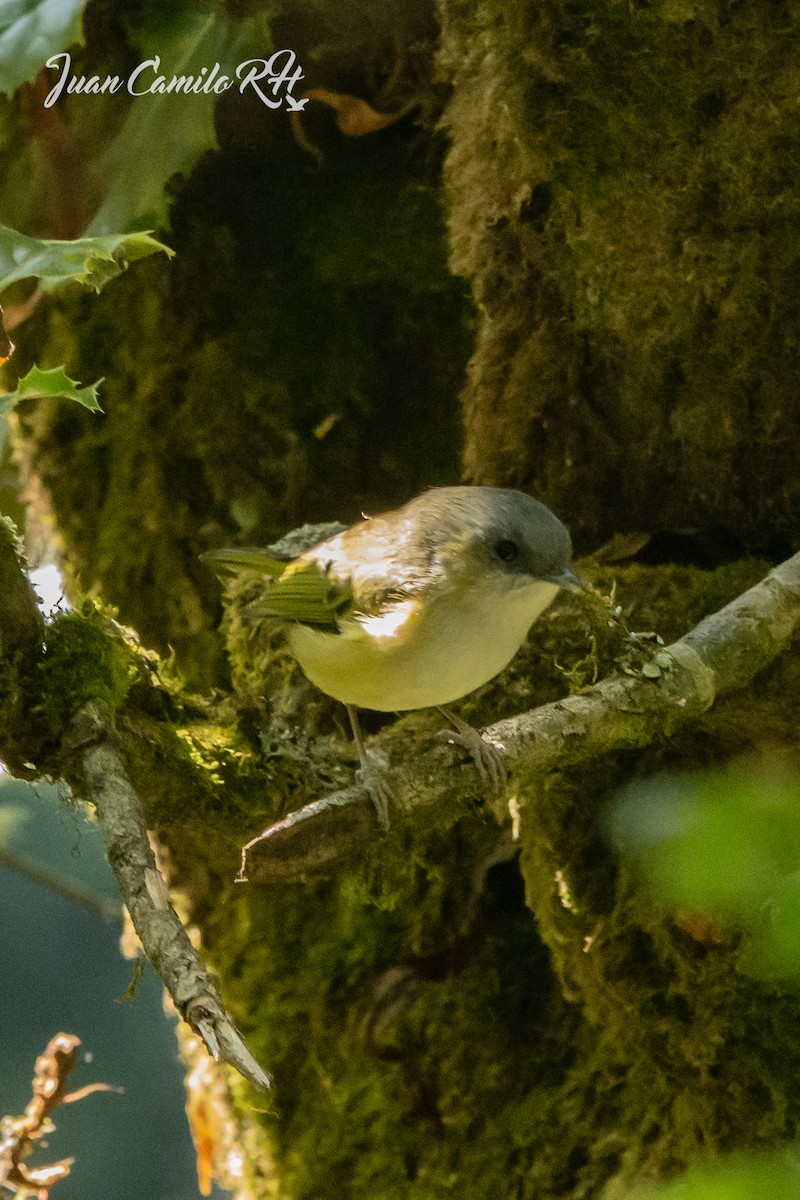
145,895
621,201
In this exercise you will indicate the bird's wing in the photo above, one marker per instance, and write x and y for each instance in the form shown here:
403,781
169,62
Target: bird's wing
306,594
376,563
297,590
247,558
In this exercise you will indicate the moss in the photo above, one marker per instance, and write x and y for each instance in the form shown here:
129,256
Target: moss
440,1017
622,205
442,1021
86,658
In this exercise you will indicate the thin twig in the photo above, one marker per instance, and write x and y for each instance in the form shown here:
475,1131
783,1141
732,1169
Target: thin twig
119,815
109,910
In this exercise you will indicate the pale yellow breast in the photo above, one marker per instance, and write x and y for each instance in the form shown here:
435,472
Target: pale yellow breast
419,655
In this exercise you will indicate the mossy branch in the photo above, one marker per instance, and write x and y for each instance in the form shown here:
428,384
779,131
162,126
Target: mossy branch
721,655
106,784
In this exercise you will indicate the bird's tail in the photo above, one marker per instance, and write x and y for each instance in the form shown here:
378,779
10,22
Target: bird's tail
246,558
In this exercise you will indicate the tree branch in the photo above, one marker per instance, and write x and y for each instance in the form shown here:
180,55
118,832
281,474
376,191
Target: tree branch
721,655
119,814
163,938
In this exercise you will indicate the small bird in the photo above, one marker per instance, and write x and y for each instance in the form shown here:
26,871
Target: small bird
417,607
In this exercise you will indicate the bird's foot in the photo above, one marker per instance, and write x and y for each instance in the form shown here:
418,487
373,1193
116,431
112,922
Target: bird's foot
372,776
489,758
372,773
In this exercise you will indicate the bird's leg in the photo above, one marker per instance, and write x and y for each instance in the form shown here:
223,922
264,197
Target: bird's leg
371,774
487,757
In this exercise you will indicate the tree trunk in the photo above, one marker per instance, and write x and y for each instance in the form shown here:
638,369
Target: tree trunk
450,1011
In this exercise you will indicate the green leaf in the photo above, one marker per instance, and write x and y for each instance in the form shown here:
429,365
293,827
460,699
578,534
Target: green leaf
54,384
32,30
89,260
166,134
727,844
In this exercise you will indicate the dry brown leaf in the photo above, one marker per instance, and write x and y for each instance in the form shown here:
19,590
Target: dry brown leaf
354,116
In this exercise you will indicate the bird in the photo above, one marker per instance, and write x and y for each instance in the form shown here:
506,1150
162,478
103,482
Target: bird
417,607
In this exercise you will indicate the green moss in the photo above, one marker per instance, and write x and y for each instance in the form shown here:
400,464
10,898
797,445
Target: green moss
441,1021
622,206
444,1022
86,657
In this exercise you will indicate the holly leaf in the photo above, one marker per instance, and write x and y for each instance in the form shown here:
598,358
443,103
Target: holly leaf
53,384
30,32
164,135
89,260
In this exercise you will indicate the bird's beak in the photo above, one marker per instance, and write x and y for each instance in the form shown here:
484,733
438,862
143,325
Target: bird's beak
568,580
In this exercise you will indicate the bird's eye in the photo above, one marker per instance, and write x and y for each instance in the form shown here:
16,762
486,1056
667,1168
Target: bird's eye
506,550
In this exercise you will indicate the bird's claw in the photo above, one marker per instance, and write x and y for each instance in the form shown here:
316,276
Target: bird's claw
489,758
372,774
373,778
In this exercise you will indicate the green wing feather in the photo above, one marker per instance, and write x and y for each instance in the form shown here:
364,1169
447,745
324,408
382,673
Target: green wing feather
306,594
247,558
296,590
